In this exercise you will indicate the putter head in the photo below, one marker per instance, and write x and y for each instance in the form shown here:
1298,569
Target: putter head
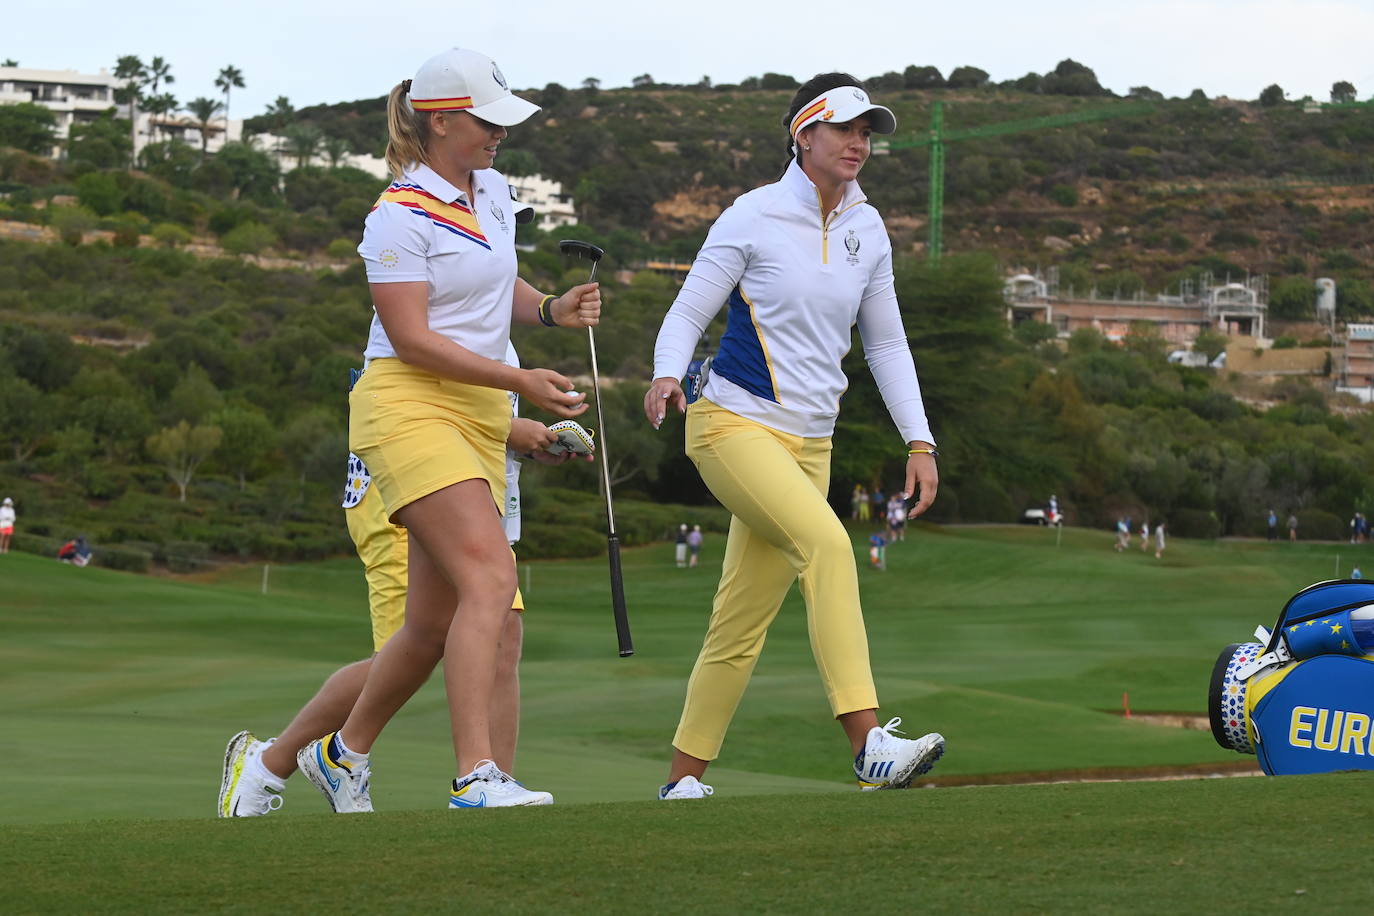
581,249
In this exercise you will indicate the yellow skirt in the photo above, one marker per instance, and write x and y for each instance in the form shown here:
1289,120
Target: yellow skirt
418,433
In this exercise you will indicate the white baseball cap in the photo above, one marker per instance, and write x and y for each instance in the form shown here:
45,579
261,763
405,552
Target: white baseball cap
8,501
464,80
843,104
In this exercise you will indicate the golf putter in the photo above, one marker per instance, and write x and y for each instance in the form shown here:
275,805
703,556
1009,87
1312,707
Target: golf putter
622,619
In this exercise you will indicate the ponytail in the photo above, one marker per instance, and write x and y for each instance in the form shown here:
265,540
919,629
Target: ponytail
407,132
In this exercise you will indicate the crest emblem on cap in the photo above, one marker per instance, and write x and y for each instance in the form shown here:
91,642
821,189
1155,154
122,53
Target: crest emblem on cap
859,94
496,75
829,113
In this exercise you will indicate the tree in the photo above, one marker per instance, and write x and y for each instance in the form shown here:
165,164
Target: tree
131,69
230,77
103,143
180,449
193,398
249,438
25,416
280,112
1145,92
914,77
10,62
71,223
519,162
248,238
303,142
1342,91
777,81
1069,77
28,127
338,149
643,81
162,105
203,112
252,173
967,78
1272,95
1210,343
1292,299
592,85
100,192
891,81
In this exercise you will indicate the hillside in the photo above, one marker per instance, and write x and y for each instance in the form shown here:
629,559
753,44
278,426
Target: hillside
1139,199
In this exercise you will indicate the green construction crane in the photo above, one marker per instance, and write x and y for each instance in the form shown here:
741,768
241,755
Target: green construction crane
938,137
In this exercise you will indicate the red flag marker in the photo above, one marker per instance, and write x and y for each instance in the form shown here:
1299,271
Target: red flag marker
1126,703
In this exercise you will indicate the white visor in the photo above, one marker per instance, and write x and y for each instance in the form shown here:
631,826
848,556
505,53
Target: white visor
843,104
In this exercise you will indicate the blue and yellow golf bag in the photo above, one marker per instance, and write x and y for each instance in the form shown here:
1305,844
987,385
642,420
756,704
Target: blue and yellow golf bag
1302,698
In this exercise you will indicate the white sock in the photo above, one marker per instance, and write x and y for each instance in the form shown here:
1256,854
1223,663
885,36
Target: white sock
348,758
258,770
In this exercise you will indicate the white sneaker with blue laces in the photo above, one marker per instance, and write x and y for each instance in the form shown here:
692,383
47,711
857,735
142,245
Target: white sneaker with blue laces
488,787
890,762
344,787
686,787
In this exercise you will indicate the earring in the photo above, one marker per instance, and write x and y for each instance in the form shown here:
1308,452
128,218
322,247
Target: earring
806,149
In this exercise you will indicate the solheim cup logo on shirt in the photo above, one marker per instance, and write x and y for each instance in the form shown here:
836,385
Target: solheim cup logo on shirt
851,244
500,216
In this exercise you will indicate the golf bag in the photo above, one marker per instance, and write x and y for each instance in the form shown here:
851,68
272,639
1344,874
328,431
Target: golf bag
1302,699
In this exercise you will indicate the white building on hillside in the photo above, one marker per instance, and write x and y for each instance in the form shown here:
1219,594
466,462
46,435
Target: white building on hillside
77,98
552,207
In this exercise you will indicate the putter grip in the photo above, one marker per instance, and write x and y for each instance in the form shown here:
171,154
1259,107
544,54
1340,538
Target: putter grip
622,619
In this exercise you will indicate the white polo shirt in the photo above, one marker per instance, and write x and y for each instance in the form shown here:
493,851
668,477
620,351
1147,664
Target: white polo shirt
796,281
423,229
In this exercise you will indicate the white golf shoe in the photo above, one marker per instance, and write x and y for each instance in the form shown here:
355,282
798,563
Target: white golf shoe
686,787
344,787
247,789
488,787
890,762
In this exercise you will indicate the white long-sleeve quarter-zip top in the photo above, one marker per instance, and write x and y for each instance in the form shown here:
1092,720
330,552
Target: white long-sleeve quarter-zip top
797,280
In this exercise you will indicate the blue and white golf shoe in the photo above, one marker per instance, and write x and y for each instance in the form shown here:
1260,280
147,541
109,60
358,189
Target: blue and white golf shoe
890,762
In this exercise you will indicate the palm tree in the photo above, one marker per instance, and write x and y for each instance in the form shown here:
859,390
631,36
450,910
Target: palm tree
230,77
162,104
203,111
303,142
336,150
159,70
131,70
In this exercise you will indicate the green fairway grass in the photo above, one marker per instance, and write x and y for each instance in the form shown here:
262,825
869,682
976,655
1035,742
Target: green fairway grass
1198,846
120,690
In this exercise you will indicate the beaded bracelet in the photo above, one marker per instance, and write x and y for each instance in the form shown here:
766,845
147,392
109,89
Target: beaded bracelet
924,451
546,313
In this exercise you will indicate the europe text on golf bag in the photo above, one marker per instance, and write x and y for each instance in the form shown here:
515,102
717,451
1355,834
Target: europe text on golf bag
1302,698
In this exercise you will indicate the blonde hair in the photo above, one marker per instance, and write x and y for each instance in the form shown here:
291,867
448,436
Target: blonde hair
407,132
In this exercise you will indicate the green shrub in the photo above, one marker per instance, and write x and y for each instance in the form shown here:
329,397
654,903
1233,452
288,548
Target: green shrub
541,540
341,249
1285,343
1066,195
170,235
1194,523
248,238
186,556
71,223
126,234
123,557
1319,525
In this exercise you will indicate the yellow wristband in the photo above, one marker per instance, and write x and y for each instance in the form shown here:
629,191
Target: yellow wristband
545,312
924,451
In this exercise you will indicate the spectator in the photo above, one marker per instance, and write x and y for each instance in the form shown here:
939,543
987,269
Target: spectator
680,550
1292,527
6,524
1123,534
877,551
865,505
1273,525
854,502
76,552
1159,540
896,518
1356,574
694,545
1144,535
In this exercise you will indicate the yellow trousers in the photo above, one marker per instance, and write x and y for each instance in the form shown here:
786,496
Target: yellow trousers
774,485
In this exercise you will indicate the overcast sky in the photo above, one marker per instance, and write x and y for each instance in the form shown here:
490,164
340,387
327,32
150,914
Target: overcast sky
313,51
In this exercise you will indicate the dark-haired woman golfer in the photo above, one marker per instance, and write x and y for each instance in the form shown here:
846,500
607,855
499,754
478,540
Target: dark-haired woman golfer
798,262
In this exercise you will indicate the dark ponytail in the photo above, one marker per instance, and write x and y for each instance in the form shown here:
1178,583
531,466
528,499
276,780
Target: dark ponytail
821,82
